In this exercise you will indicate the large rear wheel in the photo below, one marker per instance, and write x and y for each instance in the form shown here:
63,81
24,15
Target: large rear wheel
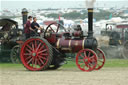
36,54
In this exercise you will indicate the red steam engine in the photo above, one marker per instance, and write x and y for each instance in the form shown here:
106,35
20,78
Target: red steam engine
48,50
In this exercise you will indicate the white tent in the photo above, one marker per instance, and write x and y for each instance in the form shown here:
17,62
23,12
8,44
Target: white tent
116,19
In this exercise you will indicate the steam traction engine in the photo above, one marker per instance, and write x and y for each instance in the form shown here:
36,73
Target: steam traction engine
40,53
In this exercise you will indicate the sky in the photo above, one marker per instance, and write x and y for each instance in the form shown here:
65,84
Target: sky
36,4
61,0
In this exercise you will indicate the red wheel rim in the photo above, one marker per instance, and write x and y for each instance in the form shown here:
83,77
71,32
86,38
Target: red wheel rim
101,59
86,60
34,54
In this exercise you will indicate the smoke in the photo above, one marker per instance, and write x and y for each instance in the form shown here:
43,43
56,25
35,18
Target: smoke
90,3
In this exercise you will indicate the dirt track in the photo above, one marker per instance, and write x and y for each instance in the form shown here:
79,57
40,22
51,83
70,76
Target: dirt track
106,76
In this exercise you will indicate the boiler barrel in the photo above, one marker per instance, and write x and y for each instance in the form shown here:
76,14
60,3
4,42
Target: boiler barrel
73,45
70,45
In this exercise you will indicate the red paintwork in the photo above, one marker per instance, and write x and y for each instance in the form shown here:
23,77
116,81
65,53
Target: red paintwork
48,22
52,39
77,33
101,59
69,44
34,54
86,60
122,26
76,45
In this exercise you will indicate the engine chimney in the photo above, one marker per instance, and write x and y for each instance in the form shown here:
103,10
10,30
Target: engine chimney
24,15
90,22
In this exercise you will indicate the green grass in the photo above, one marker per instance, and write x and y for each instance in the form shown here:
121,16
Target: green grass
71,64
10,65
108,63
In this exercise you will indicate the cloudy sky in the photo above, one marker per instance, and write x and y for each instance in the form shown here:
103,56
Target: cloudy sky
36,4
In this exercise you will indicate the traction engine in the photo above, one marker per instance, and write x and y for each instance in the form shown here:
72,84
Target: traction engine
47,51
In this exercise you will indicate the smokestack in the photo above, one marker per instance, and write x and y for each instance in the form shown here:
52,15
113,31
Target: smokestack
90,22
90,5
24,15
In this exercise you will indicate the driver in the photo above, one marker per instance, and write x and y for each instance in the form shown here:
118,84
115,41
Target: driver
35,26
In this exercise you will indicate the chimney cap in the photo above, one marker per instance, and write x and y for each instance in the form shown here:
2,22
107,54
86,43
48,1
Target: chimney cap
24,10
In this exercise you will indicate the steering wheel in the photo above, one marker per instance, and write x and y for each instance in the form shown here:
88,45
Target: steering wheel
55,25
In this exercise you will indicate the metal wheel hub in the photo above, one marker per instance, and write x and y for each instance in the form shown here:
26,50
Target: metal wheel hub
34,54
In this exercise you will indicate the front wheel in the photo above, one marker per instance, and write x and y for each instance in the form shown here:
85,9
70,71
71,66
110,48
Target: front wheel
86,60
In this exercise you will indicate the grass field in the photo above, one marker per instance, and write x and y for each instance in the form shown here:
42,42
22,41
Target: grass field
71,64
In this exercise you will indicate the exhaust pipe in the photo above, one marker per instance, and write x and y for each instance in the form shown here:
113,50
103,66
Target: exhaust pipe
90,22
24,16
90,5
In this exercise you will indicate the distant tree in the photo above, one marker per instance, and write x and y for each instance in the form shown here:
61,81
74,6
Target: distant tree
83,14
101,15
52,15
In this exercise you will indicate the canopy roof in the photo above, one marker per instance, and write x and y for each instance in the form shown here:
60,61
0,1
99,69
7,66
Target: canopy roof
7,21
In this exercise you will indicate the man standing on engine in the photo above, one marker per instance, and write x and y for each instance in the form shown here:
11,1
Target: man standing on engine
35,26
28,28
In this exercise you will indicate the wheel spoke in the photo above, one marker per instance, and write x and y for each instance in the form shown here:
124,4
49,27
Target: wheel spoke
43,54
85,54
28,50
89,67
52,29
41,48
82,64
86,63
93,60
41,61
35,63
81,59
92,57
35,44
27,54
38,62
89,54
81,55
98,65
43,58
29,61
57,28
14,53
42,51
38,46
28,57
29,47
100,61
